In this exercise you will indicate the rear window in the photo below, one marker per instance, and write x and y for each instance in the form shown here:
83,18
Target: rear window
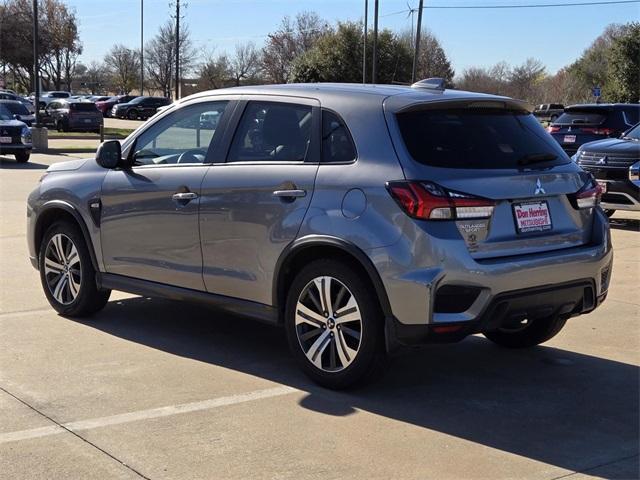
480,138
84,107
580,117
60,95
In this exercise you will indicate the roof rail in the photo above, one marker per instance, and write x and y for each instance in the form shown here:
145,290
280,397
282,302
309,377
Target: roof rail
434,83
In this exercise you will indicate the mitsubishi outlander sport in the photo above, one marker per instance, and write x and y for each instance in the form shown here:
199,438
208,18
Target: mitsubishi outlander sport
362,218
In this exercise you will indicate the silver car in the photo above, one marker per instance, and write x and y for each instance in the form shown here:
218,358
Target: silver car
361,218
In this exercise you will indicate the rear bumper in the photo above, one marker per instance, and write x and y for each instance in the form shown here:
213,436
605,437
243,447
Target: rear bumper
562,300
412,290
13,148
621,195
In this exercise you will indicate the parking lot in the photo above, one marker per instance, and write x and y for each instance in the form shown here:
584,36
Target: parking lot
160,389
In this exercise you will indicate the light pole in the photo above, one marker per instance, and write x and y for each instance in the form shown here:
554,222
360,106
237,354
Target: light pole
36,66
141,47
364,44
416,51
177,49
374,69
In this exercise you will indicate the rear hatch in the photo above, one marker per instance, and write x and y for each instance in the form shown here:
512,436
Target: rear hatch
511,188
84,114
582,124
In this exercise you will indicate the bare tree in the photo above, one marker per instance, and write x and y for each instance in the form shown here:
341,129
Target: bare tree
245,64
124,64
292,39
160,56
215,72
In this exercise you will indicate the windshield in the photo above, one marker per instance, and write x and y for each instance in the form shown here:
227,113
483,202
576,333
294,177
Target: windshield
5,114
137,99
634,133
16,108
479,138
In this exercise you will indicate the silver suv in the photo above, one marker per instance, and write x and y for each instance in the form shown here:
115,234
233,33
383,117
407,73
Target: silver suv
361,218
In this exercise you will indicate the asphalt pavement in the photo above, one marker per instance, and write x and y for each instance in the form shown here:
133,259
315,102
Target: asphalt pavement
160,389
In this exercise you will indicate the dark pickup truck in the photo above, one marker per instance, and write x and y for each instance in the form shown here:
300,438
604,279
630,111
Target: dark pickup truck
548,112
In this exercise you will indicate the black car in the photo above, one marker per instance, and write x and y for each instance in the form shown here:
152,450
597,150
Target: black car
614,163
19,111
139,108
105,106
66,115
15,136
580,124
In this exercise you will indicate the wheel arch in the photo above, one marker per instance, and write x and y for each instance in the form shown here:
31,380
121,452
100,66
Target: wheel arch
305,249
56,210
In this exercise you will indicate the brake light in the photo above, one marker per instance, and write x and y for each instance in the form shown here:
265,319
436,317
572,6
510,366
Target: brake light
598,131
588,196
551,129
429,201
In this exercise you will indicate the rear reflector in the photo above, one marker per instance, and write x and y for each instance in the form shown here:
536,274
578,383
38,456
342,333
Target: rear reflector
447,328
551,129
429,201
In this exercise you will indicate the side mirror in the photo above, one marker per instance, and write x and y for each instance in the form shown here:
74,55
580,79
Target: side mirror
17,117
109,154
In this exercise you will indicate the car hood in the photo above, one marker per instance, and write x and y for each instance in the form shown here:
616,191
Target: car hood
12,123
68,166
612,145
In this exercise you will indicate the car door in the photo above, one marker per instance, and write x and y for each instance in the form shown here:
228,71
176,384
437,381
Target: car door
253,204
49,117
149,213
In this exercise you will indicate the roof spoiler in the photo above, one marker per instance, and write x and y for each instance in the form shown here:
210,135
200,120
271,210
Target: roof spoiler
471,103
435,83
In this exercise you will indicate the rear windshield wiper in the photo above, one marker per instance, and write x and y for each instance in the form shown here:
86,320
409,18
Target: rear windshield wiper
536,158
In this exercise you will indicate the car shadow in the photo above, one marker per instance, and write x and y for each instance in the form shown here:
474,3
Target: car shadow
632,224
555,406
8,163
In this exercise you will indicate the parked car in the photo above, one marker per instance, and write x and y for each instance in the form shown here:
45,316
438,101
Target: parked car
77,115
19,111
15,136
105,106
359,217
47,97
580,124
139,108
614,163
98,98
12,96
548,112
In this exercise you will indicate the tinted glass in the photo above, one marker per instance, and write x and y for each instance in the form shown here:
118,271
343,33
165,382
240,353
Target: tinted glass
634,133
83,107
60,95
631,116
576,117
556,106
337,145
16,108
270,131
5,114
479,138
180,132
138,100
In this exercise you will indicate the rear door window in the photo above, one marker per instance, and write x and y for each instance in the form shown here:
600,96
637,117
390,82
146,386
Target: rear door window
477,139
272,131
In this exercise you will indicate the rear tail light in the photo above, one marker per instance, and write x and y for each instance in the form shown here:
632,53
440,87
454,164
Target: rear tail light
588,196
598,131
429,201
551,129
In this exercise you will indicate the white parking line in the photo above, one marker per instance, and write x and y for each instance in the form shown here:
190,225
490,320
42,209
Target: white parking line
146,414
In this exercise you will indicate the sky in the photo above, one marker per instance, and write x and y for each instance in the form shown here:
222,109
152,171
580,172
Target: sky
556,36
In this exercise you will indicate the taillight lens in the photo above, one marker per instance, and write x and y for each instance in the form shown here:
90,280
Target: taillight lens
598,131
551,129
429,201
588,196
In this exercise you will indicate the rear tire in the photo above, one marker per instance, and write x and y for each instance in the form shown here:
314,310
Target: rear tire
535,333
609,212
342,345
132,115
67,274
22,157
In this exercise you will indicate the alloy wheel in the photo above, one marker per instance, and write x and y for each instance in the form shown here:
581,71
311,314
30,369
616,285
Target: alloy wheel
62,269
328,324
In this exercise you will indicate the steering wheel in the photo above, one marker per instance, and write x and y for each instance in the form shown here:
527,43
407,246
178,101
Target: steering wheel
191,156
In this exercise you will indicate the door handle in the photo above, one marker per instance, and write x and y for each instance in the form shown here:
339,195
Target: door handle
290,193
184,196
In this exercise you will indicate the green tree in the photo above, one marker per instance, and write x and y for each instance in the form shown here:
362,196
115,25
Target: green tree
623,72
337,57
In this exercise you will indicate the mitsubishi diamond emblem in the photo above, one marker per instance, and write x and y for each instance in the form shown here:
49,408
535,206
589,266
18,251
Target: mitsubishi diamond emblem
539,190
603,161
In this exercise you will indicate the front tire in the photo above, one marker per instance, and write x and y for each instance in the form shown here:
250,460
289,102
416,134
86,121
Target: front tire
67,274
132,115
22,157
334,324
529,334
